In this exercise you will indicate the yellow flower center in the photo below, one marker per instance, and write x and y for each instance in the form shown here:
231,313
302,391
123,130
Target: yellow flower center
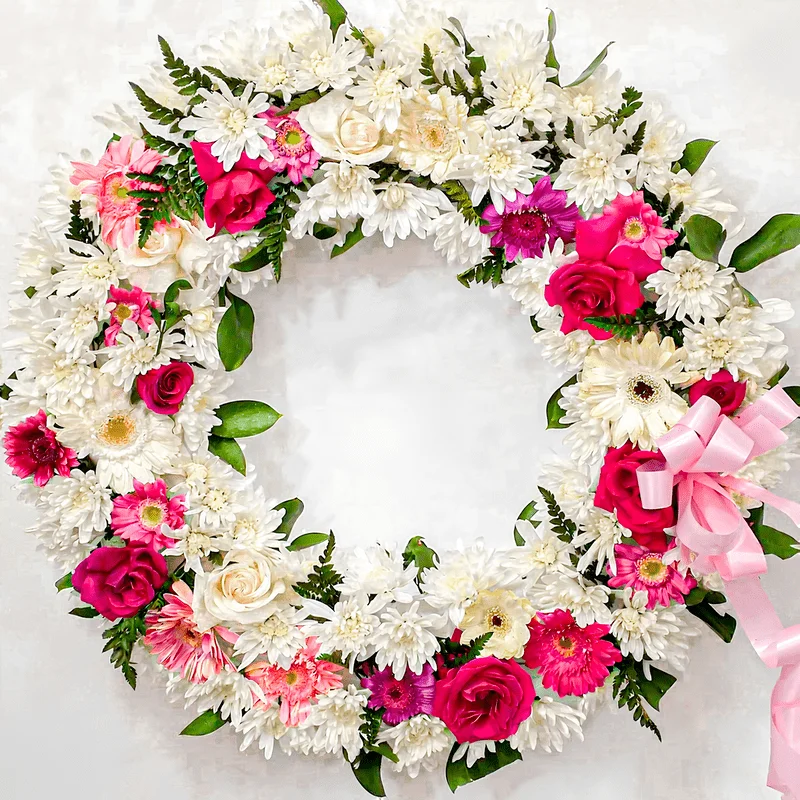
151,516
119,430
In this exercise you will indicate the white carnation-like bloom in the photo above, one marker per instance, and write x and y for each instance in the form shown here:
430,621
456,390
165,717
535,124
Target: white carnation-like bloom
664,143
377,571
79,502
338,716
543,553
421,742
548,727
698,193
572,485
320,60
729,343
586,601
404,641
346,190
403,209
381,88
602,533
255,527
229,693
64,379
193,544
278,638
262,725
520,93
461,242
506,616
60,544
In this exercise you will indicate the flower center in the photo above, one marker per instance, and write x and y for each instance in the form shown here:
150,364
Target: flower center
634,229
44,451
497,620
692,279
595,166
498,162
123,312
529,225
216,499
565,645
189,634
434,135
644,390
291,678
652,570
235,121
720,348
119,430
397,695
521,97
151,515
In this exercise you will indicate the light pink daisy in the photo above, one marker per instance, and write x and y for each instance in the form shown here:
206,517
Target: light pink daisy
138,517
644,569
108,181
297,686
291,147
571,659
133,304
173,637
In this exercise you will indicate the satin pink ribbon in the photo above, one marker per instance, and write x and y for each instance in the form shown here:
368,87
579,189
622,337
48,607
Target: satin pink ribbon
701,452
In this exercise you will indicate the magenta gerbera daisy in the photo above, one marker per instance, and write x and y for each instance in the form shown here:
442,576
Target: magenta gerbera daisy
572,660
404,698
291,148
138,516
127,304
644,569
528,221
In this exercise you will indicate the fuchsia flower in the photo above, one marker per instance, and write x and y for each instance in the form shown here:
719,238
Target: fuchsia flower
127,304
644,569
108,181
404,698
528,221
628,234
164,388
297,686
174,638
138,517
721,387
571,659
33,449
291,146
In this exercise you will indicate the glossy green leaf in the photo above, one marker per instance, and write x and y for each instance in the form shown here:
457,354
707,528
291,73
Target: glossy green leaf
86,612
174,289
554,411
695,154
292,510
335,11
459,774
307,540
323,232
256,259
242,418
229,451
207,722
724,625
705,236
350,240
64,582
656,686
793,392
775,542
779,235
551,60
367,769
235,333
418,553
778,376
589,71
526,514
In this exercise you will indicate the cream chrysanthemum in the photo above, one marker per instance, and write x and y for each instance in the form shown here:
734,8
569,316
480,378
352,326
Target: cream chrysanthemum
421,742
459,241
403,209
404,640
541,551
550,724
382,88
337,717
586,601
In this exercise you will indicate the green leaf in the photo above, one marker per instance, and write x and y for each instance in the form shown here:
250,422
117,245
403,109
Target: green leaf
779,235
235,333
554,411
174,289
526,514
208,722
307,540
551,60
86,612
589,71
242,418
775,542
256,259
292,510
705,236
723,625
793,392
229,451
695,154
323,232
418,553
64,583
367,769
297,102
350,240
656,687
335,11
778,376
459,774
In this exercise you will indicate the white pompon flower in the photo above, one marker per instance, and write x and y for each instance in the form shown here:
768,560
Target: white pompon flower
690,287
262,725
510,43
520,93
381,88
203,315
278,638
346,190
403,209
197,414
66,380
698,193
566,351
550,724
421,742
601,532
60,544
79,502
586,601
323,61
572,485
404,640
77,321
543,553
338,716
230,693
589,101
596,170
232,124
730,343
506,616
378,571
664,143
89,269
134,354
459,241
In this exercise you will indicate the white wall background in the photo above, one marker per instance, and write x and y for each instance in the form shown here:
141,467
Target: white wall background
412,407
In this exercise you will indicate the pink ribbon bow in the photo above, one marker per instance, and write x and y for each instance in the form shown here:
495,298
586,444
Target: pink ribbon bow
701,452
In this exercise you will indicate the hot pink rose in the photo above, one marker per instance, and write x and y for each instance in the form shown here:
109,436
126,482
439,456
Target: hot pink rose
162,389
722,388
628,234
618,491
592,289
237,200
120,581
485,699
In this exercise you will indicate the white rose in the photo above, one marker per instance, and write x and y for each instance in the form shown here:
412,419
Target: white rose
340,133
241,591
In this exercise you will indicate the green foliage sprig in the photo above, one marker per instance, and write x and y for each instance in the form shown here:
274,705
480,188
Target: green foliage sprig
121,638
322,582
187,80
168,117
80,229
628,692
631,103
564,527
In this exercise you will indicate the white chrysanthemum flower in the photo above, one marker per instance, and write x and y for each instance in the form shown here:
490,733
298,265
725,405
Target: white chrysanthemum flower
346,190
660,634
338,716
255,527
404,641
690,287
125,441
79,502
628,385
664,143
473,752
596,170
586,601
572,485
60,193
134,354
323,61
550,724
587,437
228,692
543,552
382,88
698,193
767,470
596,97
77,322
461,242
565,350
601,532
197,414
730,343
224,250
511,43
27,398
64,379
38,259
193,544
528,279
277,639
232,124
88,269
60,544
262,725
402,209
376,570
200,324
506,616
498,164
421,742
520,93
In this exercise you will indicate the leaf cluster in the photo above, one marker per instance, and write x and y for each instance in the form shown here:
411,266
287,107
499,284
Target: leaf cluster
322,582
121,638
631,103
564,527
490,269
632,689
80,229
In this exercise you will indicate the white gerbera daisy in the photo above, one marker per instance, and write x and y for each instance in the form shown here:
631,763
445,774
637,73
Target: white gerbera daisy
550,724
698,193
79,502
602,533
262,725
690,287
506,616
461,242
730,343
378,571
587,601
232,124
628,385
589,101
404,641
338,716
664,143
572,486
200,324
382,88
323,61
402,209
278,638
543,553
520,93
230,693
596,170
421,742
134,354
346,190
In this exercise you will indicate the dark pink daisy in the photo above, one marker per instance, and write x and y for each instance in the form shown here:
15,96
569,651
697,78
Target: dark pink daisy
528,221
127,304
138,517
404,698
571,659
33,449
643,568
291,147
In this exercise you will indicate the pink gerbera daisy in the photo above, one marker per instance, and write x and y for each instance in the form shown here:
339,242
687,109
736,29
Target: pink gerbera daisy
571,659
138,517
297,686
174,638
644,569
33,449
108,181
291,147
124,304
404,698
528,221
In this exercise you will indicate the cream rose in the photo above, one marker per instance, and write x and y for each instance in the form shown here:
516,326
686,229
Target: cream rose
341,133
241,591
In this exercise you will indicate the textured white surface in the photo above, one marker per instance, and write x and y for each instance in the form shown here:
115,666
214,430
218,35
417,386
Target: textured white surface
412,407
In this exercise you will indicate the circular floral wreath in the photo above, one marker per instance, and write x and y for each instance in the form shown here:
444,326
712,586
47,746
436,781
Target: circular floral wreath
603,222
